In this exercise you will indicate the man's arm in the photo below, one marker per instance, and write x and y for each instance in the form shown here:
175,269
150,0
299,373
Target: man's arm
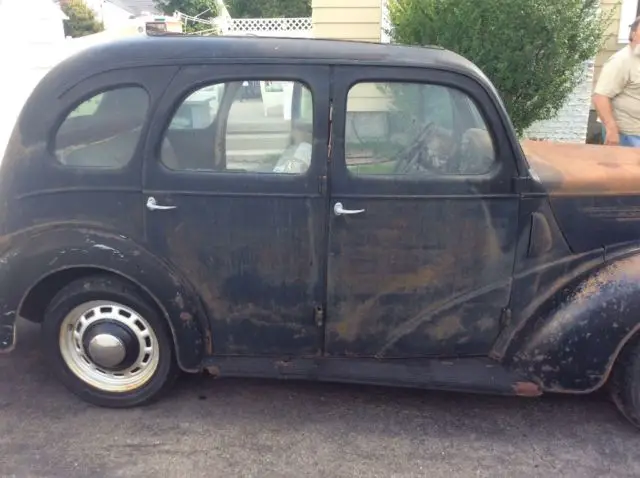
605,113
612,81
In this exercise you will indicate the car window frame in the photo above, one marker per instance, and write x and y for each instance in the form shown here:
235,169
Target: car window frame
455,112
179,104
64,93
63,117
498,180
193,76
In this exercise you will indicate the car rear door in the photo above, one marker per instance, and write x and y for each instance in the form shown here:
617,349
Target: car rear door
238,203
423,215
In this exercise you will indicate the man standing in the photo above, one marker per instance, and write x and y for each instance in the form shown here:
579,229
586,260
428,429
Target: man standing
617,93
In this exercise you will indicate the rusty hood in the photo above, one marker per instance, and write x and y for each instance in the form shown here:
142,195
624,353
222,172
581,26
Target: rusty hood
584,169
594,191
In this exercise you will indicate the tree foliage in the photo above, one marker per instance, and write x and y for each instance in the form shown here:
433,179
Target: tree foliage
269,8
82,20
533,50
204,9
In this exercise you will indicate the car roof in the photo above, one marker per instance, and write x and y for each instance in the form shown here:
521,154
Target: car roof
184,49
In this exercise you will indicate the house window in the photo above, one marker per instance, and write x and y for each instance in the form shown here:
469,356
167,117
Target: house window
630,10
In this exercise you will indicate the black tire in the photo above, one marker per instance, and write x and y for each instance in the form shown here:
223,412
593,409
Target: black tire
625,382
108,288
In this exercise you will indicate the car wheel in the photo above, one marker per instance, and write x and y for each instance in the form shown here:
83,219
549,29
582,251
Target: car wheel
625,382
107,344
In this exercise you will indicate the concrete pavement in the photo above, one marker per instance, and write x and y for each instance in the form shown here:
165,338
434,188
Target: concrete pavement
256,428
252,137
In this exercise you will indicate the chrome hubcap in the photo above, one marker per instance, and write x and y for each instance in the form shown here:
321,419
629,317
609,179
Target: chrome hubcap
109,346
107,350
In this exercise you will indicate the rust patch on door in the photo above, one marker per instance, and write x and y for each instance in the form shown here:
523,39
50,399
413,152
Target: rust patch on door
527,389
404,283
186,318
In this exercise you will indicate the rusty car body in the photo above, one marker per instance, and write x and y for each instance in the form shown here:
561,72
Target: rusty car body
517,276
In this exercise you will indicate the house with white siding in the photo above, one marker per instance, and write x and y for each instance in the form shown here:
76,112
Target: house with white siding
116,13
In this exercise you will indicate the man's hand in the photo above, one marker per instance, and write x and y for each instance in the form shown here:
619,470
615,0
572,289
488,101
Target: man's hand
612,137
605,112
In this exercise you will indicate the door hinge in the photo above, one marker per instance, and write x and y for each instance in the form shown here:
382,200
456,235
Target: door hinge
330,142
318,315
322,184
505,317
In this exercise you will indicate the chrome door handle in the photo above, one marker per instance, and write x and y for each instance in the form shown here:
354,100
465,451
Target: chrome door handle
152,205
339,210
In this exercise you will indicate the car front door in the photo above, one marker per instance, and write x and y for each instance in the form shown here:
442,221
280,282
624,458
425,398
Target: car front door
237,201
423,216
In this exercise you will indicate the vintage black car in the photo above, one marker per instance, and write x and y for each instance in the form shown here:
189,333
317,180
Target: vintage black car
371,217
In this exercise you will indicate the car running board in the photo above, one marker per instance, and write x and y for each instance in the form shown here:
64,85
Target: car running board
476,375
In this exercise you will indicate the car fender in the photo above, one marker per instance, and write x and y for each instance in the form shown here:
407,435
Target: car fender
573,348
30,256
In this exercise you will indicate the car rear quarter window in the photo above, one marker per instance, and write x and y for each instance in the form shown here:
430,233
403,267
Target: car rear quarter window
103,131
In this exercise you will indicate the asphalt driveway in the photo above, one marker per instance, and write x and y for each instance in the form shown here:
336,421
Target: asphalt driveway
244,428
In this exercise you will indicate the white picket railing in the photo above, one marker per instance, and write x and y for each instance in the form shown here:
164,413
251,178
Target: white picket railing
225,25
273,27
268,25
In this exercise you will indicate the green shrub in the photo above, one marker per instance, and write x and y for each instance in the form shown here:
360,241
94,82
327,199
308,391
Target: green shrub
268,8
532,50
82,20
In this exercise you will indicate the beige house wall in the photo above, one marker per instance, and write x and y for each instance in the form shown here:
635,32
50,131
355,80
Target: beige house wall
347,19
611,45
357,20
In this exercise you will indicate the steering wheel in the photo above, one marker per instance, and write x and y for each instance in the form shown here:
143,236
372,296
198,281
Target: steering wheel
411,158
435,150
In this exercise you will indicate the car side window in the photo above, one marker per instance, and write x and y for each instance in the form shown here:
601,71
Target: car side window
415,129
103,131
240,127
